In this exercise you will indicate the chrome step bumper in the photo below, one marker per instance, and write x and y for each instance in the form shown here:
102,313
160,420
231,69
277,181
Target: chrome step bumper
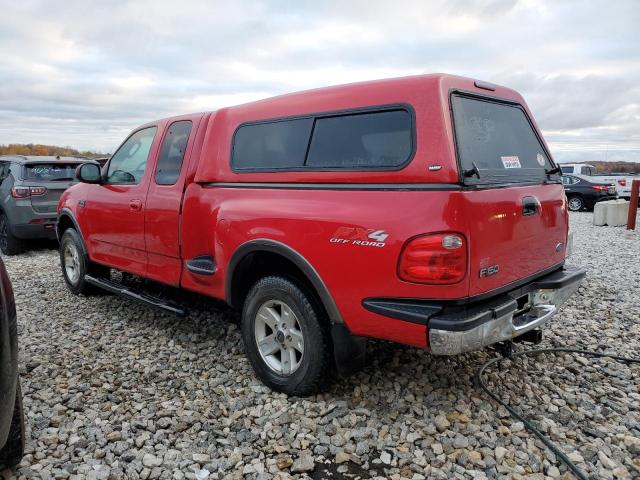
523,310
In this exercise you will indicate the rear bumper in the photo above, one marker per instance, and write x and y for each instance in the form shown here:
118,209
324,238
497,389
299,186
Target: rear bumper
456,328
27,231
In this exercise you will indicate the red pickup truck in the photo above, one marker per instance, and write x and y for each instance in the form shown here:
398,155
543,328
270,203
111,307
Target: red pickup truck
424,210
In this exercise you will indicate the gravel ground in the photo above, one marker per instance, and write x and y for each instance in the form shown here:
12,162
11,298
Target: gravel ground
117,390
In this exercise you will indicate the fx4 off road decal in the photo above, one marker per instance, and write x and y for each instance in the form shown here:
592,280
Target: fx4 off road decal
360,236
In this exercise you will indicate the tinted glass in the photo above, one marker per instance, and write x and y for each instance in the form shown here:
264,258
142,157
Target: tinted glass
50,172
378,139
566,169
172,152
271,145
499,140
130,161
4,170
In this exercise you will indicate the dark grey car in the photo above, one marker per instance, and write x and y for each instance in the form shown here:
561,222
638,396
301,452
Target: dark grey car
30,189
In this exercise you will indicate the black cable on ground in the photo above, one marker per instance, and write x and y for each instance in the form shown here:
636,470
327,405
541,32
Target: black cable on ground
527,423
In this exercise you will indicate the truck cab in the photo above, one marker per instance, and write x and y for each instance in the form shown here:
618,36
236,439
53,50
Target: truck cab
424,210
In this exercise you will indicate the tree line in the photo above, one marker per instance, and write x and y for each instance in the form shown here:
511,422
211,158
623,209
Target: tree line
616,167
47,150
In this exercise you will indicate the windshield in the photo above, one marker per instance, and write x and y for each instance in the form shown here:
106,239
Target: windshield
498,140
50,172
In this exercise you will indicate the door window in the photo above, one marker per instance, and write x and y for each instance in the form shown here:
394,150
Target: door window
172,152
128,164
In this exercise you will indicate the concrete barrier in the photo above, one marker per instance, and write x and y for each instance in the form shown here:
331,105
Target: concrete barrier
612,213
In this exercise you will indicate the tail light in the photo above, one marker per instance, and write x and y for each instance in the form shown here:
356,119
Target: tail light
622,182
26,192
600,188
439,258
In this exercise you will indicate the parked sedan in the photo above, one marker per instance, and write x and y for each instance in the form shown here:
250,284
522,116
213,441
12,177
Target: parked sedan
584,192
11,414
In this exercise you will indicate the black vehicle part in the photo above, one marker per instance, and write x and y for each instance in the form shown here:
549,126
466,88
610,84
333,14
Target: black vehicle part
13,450
528,423
532,336
9,243
124,291
349,352
202,265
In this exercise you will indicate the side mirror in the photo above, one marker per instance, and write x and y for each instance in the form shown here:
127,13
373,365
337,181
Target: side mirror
88,173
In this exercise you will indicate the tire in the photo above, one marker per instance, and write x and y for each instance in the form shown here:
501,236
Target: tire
296,356
576,203
9,244
75,264
13,450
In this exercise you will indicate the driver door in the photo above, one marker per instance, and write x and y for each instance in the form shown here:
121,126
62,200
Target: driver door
115,208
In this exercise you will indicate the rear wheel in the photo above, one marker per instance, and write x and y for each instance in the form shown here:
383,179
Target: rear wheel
13,450
576,203
285,337
9,244
75,264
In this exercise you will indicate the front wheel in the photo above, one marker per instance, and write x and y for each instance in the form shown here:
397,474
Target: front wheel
576,204
75,264
286,338
13,450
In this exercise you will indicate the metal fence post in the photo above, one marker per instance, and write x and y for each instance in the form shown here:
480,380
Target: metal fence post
633,206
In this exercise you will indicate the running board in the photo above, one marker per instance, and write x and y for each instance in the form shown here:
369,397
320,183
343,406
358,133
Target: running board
119,289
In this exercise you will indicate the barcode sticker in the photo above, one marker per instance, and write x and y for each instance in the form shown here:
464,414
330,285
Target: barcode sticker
511,162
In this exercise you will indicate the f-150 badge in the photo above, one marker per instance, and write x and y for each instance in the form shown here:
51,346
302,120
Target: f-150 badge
489,271
359,236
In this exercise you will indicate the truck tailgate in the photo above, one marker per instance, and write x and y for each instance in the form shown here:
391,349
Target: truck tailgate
514,233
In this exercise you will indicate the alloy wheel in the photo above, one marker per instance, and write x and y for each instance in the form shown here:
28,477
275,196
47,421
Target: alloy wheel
71,263
279,337
575,204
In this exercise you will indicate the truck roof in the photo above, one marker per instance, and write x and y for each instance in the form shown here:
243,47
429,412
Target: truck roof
43,158
329,94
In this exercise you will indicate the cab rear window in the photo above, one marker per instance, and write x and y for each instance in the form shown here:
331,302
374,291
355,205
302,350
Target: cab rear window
50,172
496,142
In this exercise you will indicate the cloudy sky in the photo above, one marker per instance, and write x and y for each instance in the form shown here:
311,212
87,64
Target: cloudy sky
83,73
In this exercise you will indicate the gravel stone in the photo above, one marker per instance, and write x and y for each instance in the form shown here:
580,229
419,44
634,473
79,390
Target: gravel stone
304,463
116,390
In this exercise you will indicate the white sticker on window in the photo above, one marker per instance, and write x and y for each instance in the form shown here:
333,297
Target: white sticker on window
540,159
511,162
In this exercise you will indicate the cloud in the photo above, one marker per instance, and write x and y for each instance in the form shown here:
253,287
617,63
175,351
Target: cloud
84,73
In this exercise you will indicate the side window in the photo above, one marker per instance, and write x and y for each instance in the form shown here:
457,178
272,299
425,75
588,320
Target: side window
271,145
130,161
351,141
566,169
565,180
4,168
172,152
574,180
377,139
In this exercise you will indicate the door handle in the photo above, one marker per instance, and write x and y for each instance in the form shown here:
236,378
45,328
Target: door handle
530,206
135,205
